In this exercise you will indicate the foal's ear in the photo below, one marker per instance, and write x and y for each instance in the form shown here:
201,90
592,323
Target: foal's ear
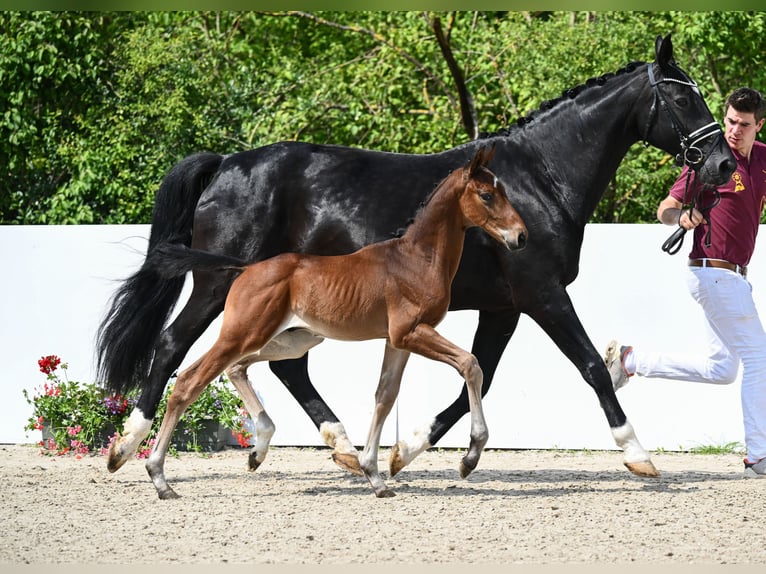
481,159
474,165
488,156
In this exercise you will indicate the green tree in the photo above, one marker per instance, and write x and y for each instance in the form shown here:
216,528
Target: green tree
96,107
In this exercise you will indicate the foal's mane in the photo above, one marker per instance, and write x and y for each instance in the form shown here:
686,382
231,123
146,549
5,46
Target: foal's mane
569,94
399,232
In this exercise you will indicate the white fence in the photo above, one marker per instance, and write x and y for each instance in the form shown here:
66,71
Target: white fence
58,280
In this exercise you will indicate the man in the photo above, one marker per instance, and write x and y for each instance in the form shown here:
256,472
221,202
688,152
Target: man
724,240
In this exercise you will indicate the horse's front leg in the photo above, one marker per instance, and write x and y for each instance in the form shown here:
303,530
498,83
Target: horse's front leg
426,341
394,361
294,375
559,320
492,336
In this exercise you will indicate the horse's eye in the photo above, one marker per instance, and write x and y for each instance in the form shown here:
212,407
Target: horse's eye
486,196
682,102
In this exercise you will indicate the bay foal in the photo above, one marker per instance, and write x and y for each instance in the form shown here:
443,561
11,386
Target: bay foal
397,290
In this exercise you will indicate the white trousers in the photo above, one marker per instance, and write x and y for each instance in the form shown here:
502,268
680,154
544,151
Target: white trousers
734,335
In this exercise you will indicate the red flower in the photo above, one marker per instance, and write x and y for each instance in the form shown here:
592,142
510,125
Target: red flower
48,364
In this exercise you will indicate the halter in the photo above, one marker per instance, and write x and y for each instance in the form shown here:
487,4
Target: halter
691,156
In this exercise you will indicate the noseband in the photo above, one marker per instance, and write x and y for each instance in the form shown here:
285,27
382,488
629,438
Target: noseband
691,156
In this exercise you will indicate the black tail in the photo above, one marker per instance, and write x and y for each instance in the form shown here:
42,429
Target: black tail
140,308
171,260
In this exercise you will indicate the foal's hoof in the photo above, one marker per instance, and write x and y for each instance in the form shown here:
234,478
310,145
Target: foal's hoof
385,493
168,494
395,461
644,468
348,462
252,462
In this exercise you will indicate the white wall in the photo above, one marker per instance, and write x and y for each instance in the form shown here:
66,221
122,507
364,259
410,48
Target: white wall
58,280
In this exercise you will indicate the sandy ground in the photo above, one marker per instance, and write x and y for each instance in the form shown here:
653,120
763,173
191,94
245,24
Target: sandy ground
528,507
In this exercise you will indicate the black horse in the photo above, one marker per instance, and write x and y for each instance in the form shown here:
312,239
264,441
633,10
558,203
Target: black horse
323,199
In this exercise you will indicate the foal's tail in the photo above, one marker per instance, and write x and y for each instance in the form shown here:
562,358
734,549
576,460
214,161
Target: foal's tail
142,305
171,260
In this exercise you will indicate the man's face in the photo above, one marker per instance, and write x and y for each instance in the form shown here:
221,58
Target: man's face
741,129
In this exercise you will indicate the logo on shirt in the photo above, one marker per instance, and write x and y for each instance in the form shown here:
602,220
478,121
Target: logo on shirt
738,185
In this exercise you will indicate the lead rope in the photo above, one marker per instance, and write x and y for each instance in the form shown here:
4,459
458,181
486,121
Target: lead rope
673,244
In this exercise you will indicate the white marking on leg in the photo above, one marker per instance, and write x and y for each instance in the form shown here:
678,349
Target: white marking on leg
419,443
136,429
334,435
625,437
264,430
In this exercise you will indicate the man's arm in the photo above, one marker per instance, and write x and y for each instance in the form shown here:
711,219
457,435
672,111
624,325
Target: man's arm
670,209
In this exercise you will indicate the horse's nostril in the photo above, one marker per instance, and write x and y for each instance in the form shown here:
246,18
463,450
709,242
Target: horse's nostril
522,240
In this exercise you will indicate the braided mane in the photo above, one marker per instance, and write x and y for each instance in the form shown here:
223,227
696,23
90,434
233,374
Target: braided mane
569,94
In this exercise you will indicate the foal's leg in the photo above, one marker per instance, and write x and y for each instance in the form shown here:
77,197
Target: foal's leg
287,345
264,427
424,340
492,335
394,361
187,389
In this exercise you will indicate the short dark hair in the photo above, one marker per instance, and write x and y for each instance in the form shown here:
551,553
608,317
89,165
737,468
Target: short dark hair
748,101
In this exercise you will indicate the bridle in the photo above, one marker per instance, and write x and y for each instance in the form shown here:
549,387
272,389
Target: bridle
691,156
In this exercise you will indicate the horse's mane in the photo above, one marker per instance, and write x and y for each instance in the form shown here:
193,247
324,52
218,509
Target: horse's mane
569,94
546,105
400,231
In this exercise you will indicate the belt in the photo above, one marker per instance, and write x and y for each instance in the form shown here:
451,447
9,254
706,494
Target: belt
719,264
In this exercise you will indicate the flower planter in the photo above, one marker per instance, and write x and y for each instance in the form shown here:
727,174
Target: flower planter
210,437
101,437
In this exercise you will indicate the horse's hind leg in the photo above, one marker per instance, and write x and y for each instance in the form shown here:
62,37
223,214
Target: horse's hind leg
175,341
394,361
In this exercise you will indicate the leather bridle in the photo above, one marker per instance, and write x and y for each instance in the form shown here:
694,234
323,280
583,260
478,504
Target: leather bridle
691,156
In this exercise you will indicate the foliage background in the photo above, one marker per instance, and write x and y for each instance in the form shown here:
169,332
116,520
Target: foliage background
95,107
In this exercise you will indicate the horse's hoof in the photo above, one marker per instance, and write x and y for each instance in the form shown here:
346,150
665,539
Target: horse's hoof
466,468
385,493
116,458
395,461
168,494
252,462
348,462
644,468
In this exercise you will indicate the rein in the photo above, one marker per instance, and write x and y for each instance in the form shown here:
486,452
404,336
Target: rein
691,156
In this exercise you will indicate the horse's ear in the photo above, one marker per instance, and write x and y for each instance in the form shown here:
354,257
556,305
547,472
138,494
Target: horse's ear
663,51
476,162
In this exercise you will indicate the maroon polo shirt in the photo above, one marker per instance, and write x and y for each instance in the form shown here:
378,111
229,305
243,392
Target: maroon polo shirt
734,221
